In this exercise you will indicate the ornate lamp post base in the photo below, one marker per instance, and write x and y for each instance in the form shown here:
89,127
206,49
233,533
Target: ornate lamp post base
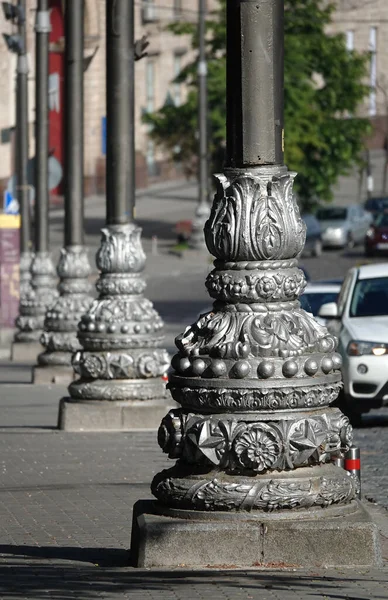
197,238
33,305
255,435
60,336
121,366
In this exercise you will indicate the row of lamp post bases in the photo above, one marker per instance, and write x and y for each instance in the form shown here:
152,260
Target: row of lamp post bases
255,436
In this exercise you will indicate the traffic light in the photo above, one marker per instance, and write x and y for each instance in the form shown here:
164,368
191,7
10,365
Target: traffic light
14,42
13,13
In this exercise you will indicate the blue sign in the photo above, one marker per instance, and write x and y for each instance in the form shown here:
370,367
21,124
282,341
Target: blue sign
103,136
11,205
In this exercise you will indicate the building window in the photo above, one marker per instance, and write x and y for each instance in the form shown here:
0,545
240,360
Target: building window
373,70
177,86
350,40
149,11
177,9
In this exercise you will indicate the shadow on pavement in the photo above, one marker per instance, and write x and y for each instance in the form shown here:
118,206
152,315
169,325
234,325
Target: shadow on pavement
27,576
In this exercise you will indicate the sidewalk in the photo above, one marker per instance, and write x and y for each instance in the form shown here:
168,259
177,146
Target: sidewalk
65,517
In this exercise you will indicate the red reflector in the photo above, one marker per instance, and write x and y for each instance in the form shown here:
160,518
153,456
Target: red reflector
352,464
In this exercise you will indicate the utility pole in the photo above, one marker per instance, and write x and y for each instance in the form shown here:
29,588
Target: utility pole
18,43
43,284
122,361
255,435
60,335
197,240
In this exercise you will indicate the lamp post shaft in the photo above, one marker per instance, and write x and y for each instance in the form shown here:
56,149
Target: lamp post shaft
120,70
255,59
42,128
21,153
202,113
74,119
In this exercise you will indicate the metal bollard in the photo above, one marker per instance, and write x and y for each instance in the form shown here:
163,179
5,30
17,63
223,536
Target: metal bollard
353,465
339,462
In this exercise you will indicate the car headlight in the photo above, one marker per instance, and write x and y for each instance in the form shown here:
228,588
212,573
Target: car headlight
370,233
357,348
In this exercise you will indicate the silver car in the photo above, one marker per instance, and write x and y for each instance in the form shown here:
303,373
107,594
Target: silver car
343,226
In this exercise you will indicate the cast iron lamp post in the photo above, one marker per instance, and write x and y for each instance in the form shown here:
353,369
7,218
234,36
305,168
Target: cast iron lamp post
197,240
121,333
255,436
19,44
60,335
43,284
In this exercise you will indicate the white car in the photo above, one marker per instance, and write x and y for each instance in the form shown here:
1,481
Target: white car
361,324
317,294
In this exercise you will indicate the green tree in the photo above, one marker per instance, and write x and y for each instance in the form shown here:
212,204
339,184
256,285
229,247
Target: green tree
324,84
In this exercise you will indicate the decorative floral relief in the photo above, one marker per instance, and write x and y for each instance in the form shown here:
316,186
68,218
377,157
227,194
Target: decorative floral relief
121,365
255,287
220,399
121,250
242,334
254,219
254,494
259,446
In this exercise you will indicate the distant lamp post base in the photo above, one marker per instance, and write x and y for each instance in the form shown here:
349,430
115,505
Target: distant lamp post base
342,536
61,375
197,237
107,415
25,351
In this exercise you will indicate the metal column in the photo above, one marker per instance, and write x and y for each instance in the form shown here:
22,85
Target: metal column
60,336
121,333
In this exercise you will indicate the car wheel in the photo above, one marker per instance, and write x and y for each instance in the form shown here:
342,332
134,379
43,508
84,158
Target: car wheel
369,252
317,249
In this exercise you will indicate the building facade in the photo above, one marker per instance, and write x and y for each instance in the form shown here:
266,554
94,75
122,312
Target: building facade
365,26
166,56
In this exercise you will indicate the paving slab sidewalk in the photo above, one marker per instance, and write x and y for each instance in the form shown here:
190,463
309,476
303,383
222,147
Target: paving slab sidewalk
66,507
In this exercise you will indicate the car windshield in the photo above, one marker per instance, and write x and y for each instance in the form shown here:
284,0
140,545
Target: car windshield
312,302
376,204
381,220
370,298
331,214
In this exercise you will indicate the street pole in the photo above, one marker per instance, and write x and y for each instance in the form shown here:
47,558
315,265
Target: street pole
21,159
121,334
255,376
197,240
60,335
43,284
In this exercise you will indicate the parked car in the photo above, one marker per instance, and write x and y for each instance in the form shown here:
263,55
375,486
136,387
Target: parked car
376,239
376,205
343,226
313,245
360,319
317,294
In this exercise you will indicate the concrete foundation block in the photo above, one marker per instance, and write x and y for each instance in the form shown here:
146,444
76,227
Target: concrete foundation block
105,415
25,351
60,375
331,538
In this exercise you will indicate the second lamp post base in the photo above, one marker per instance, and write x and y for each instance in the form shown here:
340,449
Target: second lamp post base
108,415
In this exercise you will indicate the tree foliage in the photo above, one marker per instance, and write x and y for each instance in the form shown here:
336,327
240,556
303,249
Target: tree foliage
324,85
